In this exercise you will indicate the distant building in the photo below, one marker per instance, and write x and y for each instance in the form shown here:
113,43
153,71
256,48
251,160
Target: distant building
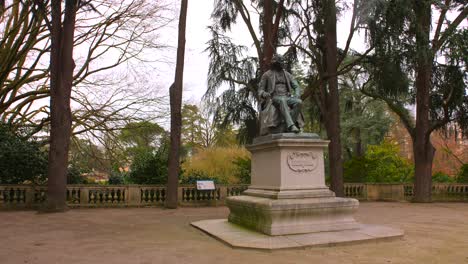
96,176
451,147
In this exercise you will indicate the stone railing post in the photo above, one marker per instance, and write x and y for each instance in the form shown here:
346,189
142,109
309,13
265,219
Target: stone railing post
133,195
364,192
179,194
29,196
372,192
398,191
84,196
222,194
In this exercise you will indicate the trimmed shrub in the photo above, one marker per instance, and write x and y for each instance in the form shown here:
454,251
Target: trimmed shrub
381,163
116,178
150,167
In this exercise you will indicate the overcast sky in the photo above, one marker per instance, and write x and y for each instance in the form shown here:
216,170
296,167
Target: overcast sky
196,61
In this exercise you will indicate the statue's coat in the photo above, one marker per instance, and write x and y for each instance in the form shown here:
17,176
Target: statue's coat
269,115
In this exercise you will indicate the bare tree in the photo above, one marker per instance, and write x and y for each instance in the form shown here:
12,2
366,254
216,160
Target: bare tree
111,36
61,81
33,29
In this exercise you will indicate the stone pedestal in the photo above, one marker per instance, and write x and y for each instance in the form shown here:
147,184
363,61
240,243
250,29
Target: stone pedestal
288,194
288,204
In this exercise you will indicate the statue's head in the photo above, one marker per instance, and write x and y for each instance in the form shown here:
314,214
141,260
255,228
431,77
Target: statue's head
277,62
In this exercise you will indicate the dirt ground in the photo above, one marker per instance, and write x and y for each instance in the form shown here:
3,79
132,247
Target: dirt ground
435,233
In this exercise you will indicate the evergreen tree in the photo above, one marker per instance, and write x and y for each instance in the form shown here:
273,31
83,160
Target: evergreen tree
229,64
421,61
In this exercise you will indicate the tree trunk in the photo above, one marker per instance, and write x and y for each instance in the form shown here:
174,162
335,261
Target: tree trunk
268,48
176,113
422,147
333,107
61,80
423,157
334,153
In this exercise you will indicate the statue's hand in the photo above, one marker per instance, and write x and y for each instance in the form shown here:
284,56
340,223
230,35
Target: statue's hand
266,95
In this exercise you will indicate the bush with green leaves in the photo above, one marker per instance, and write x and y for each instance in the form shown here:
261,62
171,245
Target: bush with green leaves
21,160
440,177
381,163
117,178
195,176
74,176
244,165
462,176
150,167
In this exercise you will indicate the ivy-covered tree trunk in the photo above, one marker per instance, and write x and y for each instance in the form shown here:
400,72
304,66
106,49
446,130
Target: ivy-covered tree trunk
422,147
175,94
61,81
332,118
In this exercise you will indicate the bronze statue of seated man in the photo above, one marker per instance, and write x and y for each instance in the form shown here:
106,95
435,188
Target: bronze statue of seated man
281,107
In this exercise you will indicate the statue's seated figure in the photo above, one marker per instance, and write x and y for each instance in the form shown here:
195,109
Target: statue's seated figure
280,105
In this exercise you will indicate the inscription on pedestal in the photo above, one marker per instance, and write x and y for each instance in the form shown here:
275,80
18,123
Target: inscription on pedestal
302,161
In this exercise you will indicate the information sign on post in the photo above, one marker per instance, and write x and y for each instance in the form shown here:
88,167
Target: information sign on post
205,185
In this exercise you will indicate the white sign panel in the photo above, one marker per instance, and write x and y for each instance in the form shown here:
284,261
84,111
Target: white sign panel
205,185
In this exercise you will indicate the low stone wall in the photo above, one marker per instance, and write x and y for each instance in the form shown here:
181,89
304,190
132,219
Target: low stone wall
441,192
29,196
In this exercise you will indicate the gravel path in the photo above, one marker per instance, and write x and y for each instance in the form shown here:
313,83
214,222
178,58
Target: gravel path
435,233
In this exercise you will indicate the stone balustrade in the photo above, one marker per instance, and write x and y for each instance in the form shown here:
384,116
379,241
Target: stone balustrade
29,196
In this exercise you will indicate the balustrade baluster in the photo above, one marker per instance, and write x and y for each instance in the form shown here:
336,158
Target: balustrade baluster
193,194
20,196
143,196
115,198
15,196
157,195
189,195
92,197
77,196
120,195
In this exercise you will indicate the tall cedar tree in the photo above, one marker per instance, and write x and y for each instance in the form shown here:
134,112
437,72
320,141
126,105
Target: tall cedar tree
229,65
176,110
